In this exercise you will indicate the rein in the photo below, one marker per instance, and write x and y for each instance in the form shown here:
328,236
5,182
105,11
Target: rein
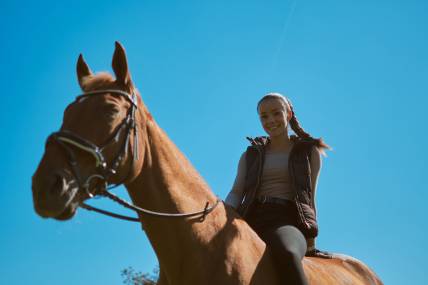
69,140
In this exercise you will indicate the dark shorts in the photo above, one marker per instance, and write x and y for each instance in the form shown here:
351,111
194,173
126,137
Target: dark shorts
277,225
266,217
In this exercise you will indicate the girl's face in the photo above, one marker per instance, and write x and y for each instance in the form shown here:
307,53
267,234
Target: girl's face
274,117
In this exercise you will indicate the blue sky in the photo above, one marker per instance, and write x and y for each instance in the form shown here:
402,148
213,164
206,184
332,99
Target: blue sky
356,72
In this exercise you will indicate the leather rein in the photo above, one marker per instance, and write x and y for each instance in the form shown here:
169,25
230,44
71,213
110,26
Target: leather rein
68,141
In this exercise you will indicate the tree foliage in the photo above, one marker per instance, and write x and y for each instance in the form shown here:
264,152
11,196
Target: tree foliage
132,277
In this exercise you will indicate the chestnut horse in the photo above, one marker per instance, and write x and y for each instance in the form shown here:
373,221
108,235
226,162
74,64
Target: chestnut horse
216,248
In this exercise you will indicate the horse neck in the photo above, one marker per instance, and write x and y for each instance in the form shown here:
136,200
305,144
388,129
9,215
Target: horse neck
169,183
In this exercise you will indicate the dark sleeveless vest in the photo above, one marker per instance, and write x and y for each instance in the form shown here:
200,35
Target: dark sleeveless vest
300,175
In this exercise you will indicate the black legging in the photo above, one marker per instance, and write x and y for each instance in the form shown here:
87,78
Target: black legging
277,227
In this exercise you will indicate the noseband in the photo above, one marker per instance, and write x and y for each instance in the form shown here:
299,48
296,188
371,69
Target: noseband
68,140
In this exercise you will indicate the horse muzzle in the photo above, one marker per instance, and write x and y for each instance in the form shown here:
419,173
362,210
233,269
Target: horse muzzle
55,196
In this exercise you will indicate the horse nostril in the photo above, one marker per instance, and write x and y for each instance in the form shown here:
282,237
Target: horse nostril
57,185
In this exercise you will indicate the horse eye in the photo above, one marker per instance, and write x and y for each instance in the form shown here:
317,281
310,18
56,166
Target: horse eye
112,113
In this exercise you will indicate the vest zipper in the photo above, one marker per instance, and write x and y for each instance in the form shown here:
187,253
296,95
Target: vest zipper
260,169
259,175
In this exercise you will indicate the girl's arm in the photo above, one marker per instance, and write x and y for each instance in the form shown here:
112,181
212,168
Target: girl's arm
315,171
234,197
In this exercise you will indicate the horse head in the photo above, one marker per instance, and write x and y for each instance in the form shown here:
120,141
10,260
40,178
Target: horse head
97,144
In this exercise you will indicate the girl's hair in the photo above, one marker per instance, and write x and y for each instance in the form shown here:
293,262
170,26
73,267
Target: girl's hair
294,123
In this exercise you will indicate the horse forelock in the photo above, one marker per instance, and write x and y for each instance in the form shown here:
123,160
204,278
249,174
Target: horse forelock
102,80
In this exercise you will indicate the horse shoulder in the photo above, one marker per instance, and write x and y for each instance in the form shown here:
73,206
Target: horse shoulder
246,258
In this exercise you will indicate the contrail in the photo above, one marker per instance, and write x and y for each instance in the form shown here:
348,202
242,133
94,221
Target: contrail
282,38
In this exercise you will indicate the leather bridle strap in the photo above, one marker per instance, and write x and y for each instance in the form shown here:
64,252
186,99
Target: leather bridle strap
207,209
72,139
202,214
69,140
131,98
107,213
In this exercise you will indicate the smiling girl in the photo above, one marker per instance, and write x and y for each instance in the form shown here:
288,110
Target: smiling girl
275,186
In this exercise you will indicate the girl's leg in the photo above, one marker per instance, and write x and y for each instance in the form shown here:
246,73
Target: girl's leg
288,247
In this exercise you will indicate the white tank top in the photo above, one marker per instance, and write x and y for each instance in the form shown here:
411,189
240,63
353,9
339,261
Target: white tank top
275,180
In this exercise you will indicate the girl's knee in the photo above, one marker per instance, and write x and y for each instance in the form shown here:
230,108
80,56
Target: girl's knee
288,242
291,254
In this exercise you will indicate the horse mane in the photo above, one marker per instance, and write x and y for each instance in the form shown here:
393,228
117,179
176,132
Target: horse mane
97,81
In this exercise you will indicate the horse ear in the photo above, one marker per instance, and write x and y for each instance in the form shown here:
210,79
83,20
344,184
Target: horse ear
83,70
120,66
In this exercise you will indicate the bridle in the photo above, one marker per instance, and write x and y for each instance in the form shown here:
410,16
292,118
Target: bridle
68,140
